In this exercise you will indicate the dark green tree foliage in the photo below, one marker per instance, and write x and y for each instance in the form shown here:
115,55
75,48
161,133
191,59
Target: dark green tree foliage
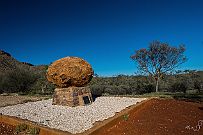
128,85
121,85
179,87
159,59
197,84
42,86
19,80
25,81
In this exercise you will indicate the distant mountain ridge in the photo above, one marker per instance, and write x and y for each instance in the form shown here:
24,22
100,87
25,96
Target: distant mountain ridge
4,53
8,63
22,77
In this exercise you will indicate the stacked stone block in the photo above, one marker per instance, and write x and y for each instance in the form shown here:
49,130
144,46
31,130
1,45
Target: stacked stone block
70,75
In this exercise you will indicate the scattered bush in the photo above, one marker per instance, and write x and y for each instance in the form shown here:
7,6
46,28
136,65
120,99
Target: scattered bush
18,80
97,90
197,85
33,131
179,87
21,128
25,81
42,86
125,117
26,129
144,87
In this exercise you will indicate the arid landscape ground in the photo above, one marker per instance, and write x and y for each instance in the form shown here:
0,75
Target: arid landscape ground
101,67
154,116
15,99
158,117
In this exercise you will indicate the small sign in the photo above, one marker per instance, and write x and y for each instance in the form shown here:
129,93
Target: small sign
86,100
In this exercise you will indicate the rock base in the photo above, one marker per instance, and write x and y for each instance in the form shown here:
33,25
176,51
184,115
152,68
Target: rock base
72,96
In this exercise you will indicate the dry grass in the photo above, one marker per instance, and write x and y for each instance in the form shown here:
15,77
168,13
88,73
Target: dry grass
7,100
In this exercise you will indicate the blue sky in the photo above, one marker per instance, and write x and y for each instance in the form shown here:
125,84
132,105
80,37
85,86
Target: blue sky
103,32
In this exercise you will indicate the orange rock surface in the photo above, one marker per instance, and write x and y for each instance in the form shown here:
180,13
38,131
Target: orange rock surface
70,71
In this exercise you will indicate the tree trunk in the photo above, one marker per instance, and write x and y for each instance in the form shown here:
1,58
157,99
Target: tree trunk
43,87
157,84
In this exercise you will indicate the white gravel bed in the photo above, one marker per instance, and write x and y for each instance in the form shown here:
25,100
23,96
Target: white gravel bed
71,119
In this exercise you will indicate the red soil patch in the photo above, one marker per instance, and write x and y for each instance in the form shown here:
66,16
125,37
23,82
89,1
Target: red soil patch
158,117
6,129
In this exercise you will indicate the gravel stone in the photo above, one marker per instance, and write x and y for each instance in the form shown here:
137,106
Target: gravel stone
71,119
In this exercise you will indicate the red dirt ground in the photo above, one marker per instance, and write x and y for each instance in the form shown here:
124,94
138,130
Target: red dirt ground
158,117
6,129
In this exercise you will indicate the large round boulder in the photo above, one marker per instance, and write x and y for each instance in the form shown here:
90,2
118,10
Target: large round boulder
70,71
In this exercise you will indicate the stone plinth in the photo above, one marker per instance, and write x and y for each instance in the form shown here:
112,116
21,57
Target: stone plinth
72,96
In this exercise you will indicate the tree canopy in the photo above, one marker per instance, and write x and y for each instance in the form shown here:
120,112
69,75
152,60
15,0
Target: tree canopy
159,58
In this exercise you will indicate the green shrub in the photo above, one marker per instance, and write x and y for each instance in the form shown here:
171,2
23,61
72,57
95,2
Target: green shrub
33,131
21,128
179,87
197,85
25,81
125,117
28,130
19,80
97,90
42,86
144,87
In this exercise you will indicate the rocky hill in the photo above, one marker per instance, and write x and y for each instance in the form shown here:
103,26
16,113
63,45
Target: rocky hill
22,77
8,63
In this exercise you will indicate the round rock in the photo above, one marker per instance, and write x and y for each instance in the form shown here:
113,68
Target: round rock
70,71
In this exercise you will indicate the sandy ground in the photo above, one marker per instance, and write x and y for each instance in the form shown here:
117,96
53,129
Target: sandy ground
14,99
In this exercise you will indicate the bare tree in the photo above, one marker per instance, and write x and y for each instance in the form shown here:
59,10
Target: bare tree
158,59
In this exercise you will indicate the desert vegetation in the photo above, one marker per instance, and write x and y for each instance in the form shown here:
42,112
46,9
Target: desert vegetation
157,66
188,81
24,82
22,78
159,59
